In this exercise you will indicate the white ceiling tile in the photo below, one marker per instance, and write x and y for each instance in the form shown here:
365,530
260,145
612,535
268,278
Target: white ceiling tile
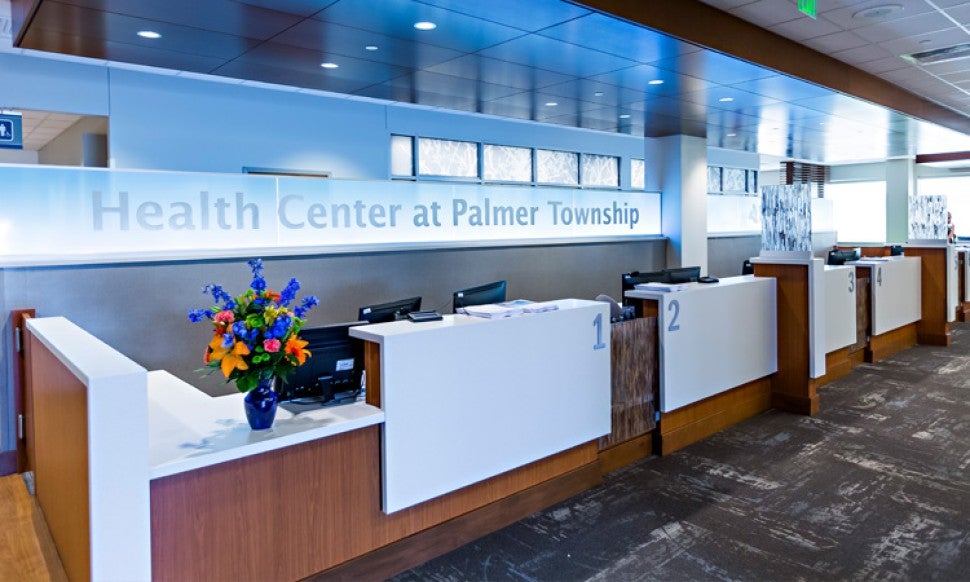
957,76
937,40
839,41
884,65
845,16
767,13
950,3
863,54
916,25
804,28
960,13
948,67
909,76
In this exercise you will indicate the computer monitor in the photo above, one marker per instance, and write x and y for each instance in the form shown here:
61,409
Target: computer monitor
392,311
333,370
839,256
629,281
481,295
683,274
896,250
747,267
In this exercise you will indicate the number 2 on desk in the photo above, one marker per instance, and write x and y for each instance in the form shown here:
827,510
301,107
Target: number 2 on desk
674,306
598,324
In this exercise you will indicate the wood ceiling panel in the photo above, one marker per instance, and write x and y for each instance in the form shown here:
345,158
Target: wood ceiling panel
638,79
605,34
455,31
335,39
541,13
225,16
478,67
554,55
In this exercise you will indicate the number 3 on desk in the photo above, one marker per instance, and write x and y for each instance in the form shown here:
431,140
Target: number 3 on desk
598,324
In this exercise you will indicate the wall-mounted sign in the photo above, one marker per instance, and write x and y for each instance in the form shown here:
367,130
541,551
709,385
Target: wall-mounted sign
61,215
11,131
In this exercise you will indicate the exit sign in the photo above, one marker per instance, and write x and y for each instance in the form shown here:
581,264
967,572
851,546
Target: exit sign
809,7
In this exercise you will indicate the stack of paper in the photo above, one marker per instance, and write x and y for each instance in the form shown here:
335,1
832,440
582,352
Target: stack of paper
491,310
663,287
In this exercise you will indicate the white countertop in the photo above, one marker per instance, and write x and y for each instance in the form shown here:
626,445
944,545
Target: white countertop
379,331
693,287
188,429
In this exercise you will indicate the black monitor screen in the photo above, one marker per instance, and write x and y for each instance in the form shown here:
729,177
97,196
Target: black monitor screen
334,367
392,311
839,257
895,250
481,295
683,274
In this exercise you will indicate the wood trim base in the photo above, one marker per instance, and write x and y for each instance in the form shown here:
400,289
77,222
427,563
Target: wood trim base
8,463
858,357
807,405
963,311
431,543
689,424
622,454
882,346
935,339
838,364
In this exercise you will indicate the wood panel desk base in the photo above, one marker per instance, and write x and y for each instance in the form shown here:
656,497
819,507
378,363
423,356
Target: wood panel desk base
694,422
622,454
838,364
882,346
933,337
317,505
963,311
933,327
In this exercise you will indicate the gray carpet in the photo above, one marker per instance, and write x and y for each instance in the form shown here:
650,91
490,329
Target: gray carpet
876,487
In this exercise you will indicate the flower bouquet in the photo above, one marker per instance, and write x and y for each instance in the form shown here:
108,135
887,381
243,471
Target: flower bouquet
255,335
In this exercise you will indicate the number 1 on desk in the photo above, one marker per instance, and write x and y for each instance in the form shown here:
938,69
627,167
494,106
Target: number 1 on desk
598,324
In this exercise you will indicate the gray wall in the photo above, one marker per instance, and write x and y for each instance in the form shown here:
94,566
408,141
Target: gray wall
74,148
140,309
725,254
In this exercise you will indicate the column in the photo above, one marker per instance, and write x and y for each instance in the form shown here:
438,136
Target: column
682,162
900,185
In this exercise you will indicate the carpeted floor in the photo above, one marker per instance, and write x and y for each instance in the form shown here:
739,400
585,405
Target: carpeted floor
876,487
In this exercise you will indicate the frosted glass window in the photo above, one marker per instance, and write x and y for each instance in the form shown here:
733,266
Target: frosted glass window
442,157
955,188
402,155
859,210
733,180
554,167
637,174
507,163
713,179
601,171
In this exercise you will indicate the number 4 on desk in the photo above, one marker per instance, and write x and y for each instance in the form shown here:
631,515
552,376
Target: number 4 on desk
598,324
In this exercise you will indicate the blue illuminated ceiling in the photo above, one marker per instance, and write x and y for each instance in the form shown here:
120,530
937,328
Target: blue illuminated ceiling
543,60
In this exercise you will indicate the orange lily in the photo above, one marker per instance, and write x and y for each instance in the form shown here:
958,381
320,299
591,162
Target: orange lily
230,358
296,347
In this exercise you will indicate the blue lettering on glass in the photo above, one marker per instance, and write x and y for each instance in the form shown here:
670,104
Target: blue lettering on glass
675,307
598,324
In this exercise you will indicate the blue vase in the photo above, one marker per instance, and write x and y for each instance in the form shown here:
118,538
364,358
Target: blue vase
260,404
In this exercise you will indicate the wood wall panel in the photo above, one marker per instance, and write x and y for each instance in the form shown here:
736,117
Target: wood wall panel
792,387
60,461
372,383
838,364
887,344
325,509
18,319
933,327
633,366
622,454
863,317
697,421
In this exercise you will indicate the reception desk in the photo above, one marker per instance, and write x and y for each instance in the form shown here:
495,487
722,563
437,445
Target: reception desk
717,347
895,303
141,476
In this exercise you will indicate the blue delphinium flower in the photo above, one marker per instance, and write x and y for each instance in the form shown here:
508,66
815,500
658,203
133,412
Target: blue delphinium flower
289,292
258,284
218,293
196,315
239,328
308,302
228,340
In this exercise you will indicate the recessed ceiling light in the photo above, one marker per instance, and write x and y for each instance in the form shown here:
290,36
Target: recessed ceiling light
551,104
655,82
726,99
876,12
371,47
329,65
625,116
149,34
425,25
598,94
732,134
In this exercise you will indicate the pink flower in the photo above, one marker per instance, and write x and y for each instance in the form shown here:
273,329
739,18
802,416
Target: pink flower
271,345
225,316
